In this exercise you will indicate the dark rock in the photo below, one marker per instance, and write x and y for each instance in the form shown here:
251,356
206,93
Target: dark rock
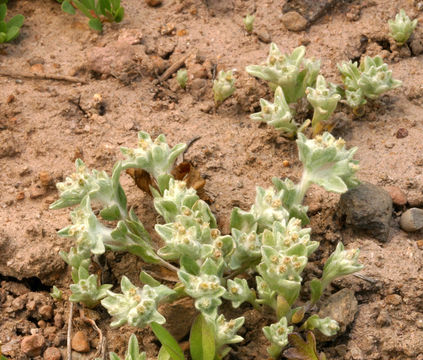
368,208
342,307
293,21
311,9
412,220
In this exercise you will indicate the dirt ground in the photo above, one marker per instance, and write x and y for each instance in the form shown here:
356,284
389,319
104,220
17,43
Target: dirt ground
46,124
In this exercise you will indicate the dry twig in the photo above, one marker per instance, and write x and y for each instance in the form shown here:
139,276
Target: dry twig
101,351
69,336
71,79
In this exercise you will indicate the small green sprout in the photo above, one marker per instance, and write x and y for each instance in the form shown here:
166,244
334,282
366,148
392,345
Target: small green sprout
277,334
324,101
402,27
223,86
56,293
326,326
98,11
277,114
182,78
9,30
291,72
133,351
86,290
369,80
249,23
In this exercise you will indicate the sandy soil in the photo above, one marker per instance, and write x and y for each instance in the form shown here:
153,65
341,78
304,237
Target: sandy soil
46,124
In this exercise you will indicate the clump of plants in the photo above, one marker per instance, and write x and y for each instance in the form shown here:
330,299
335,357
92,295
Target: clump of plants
9,30
268,244
402,27
368,80
98,11
294,78
293,73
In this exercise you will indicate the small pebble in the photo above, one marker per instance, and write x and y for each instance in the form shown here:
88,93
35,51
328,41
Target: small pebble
36,191
264,36
20,195
11,98
393,299
45,178
397,195
46,312
420,244
293,21
80,342
52,353
402,133
412,220
153,3
32,345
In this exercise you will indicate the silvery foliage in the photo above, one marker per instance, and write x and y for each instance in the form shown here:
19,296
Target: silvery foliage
402,27
269,239
293,73
369,80
223,86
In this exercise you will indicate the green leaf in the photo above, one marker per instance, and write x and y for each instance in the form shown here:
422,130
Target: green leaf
3,11
163,354
168,341
68,8
17,21
201,340
2,37
316,290
110,213
303,350
119,14
12,33
189,265
148,279
96,25
3,27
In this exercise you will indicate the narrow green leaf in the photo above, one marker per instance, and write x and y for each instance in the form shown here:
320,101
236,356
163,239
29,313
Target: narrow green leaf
68,8
3,11
3,27
148,279
201,340
168,341
119,14
316,290
96,25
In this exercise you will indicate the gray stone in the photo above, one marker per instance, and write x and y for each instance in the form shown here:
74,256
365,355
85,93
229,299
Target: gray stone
412,220
342,307
367,208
